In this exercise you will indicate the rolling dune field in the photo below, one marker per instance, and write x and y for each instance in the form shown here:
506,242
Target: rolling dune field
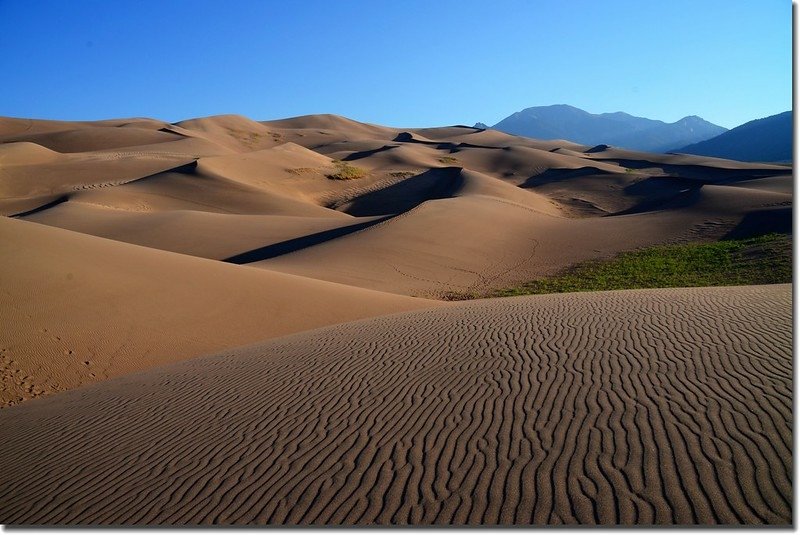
227,321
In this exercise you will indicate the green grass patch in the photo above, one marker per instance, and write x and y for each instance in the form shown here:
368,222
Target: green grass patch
345,171
760,260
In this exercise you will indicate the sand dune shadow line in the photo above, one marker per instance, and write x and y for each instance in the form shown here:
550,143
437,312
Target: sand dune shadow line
295,244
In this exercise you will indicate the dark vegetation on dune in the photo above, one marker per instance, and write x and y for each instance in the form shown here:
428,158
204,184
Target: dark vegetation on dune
763,259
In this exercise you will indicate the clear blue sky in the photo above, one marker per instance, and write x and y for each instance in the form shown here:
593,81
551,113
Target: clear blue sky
399,63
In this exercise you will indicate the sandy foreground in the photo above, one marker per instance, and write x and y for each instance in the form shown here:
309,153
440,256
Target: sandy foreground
643,406
78,309
202,324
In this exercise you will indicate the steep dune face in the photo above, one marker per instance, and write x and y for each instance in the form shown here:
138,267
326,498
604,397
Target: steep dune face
635,407
77,309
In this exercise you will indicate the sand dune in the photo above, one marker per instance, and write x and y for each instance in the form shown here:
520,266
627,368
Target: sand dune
136,248
468,209
292,170
213,235
25,153
77,309
391,156
778,184
188,187
342,126
634,407
517,163
471,209
233,165
99,138
63,174
14,129
191,146
614,153
233,131
455,245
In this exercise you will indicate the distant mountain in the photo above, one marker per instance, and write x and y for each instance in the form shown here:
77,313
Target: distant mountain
481,125
762,140
620,129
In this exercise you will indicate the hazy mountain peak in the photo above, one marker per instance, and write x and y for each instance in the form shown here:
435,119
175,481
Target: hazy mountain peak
692,119
562,121
765,140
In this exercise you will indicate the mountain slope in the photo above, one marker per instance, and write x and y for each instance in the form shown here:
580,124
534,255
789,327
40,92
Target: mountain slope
763,140
620,129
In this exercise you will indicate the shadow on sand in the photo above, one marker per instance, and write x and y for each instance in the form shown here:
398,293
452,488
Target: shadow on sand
295,244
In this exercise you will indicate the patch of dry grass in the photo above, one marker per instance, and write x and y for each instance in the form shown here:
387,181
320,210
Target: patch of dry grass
302,170
345,171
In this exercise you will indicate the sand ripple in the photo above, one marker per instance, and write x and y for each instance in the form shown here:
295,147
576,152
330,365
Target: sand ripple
649,407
